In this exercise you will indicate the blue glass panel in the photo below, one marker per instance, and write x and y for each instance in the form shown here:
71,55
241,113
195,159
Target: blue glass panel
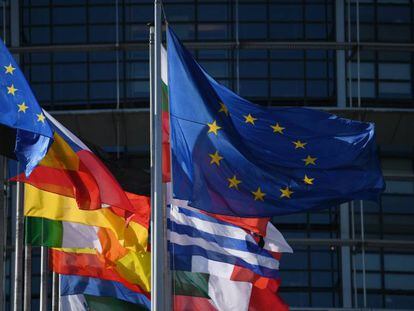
287,69
70,57
394,33
318,31
69,15
318,12
399,262
137,89
292,88
69,34
136,32
399,301
394,14
69,91
316,88
252,31
253,69
41,91
102,33
281,12
213,12
40,73
141,13
297,299
213,31
254,88
372,280
137,70
399,281
252,12
102,71
103,14
180,13
102,90
322,279
394,71
39,16
324,299
69,72
294,278
321,260
286,31
39,35
372,261
395,89
295,261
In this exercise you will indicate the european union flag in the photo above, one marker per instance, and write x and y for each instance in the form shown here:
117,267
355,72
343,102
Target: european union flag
232,157
19,110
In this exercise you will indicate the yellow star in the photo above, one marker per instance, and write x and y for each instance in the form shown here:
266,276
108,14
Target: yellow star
249,119
40,117
11,90
224,109
258,194
309,160
22,107
277,128
215,158
234,182
299,144
9,69
213,127
308,180
286,193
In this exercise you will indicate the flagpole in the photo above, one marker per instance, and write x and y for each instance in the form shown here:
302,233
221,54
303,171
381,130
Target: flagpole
43,277
27,290
3,219
158,251
18,252
55,291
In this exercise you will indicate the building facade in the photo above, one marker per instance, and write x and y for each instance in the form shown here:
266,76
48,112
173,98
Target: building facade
87,62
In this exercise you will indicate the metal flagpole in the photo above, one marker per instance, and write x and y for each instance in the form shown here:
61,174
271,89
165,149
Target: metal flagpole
55,291
158,251
43,277
3,239
27,290
18,252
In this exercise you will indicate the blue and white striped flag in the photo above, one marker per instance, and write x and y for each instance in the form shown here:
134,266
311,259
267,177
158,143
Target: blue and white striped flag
201,243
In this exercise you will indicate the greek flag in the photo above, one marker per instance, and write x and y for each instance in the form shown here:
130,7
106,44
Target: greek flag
198,241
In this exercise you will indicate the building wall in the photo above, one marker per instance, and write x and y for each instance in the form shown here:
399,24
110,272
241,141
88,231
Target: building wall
278,53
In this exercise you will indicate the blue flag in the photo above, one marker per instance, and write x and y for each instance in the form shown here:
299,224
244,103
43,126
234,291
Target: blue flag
232,157
20,110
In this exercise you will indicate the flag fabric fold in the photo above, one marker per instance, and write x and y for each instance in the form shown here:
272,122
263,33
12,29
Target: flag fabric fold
198,241
232,157
74,284
20,111
43,204
70,168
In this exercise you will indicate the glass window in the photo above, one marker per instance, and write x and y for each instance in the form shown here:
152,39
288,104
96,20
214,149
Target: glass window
213,31
291,88
394,89
289,13
69,15
394,71
213,12
252,12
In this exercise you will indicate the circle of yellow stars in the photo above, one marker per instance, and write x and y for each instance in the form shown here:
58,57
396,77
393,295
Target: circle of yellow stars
278,129
11,90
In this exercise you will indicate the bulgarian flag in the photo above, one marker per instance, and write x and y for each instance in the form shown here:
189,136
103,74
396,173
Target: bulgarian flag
204,292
